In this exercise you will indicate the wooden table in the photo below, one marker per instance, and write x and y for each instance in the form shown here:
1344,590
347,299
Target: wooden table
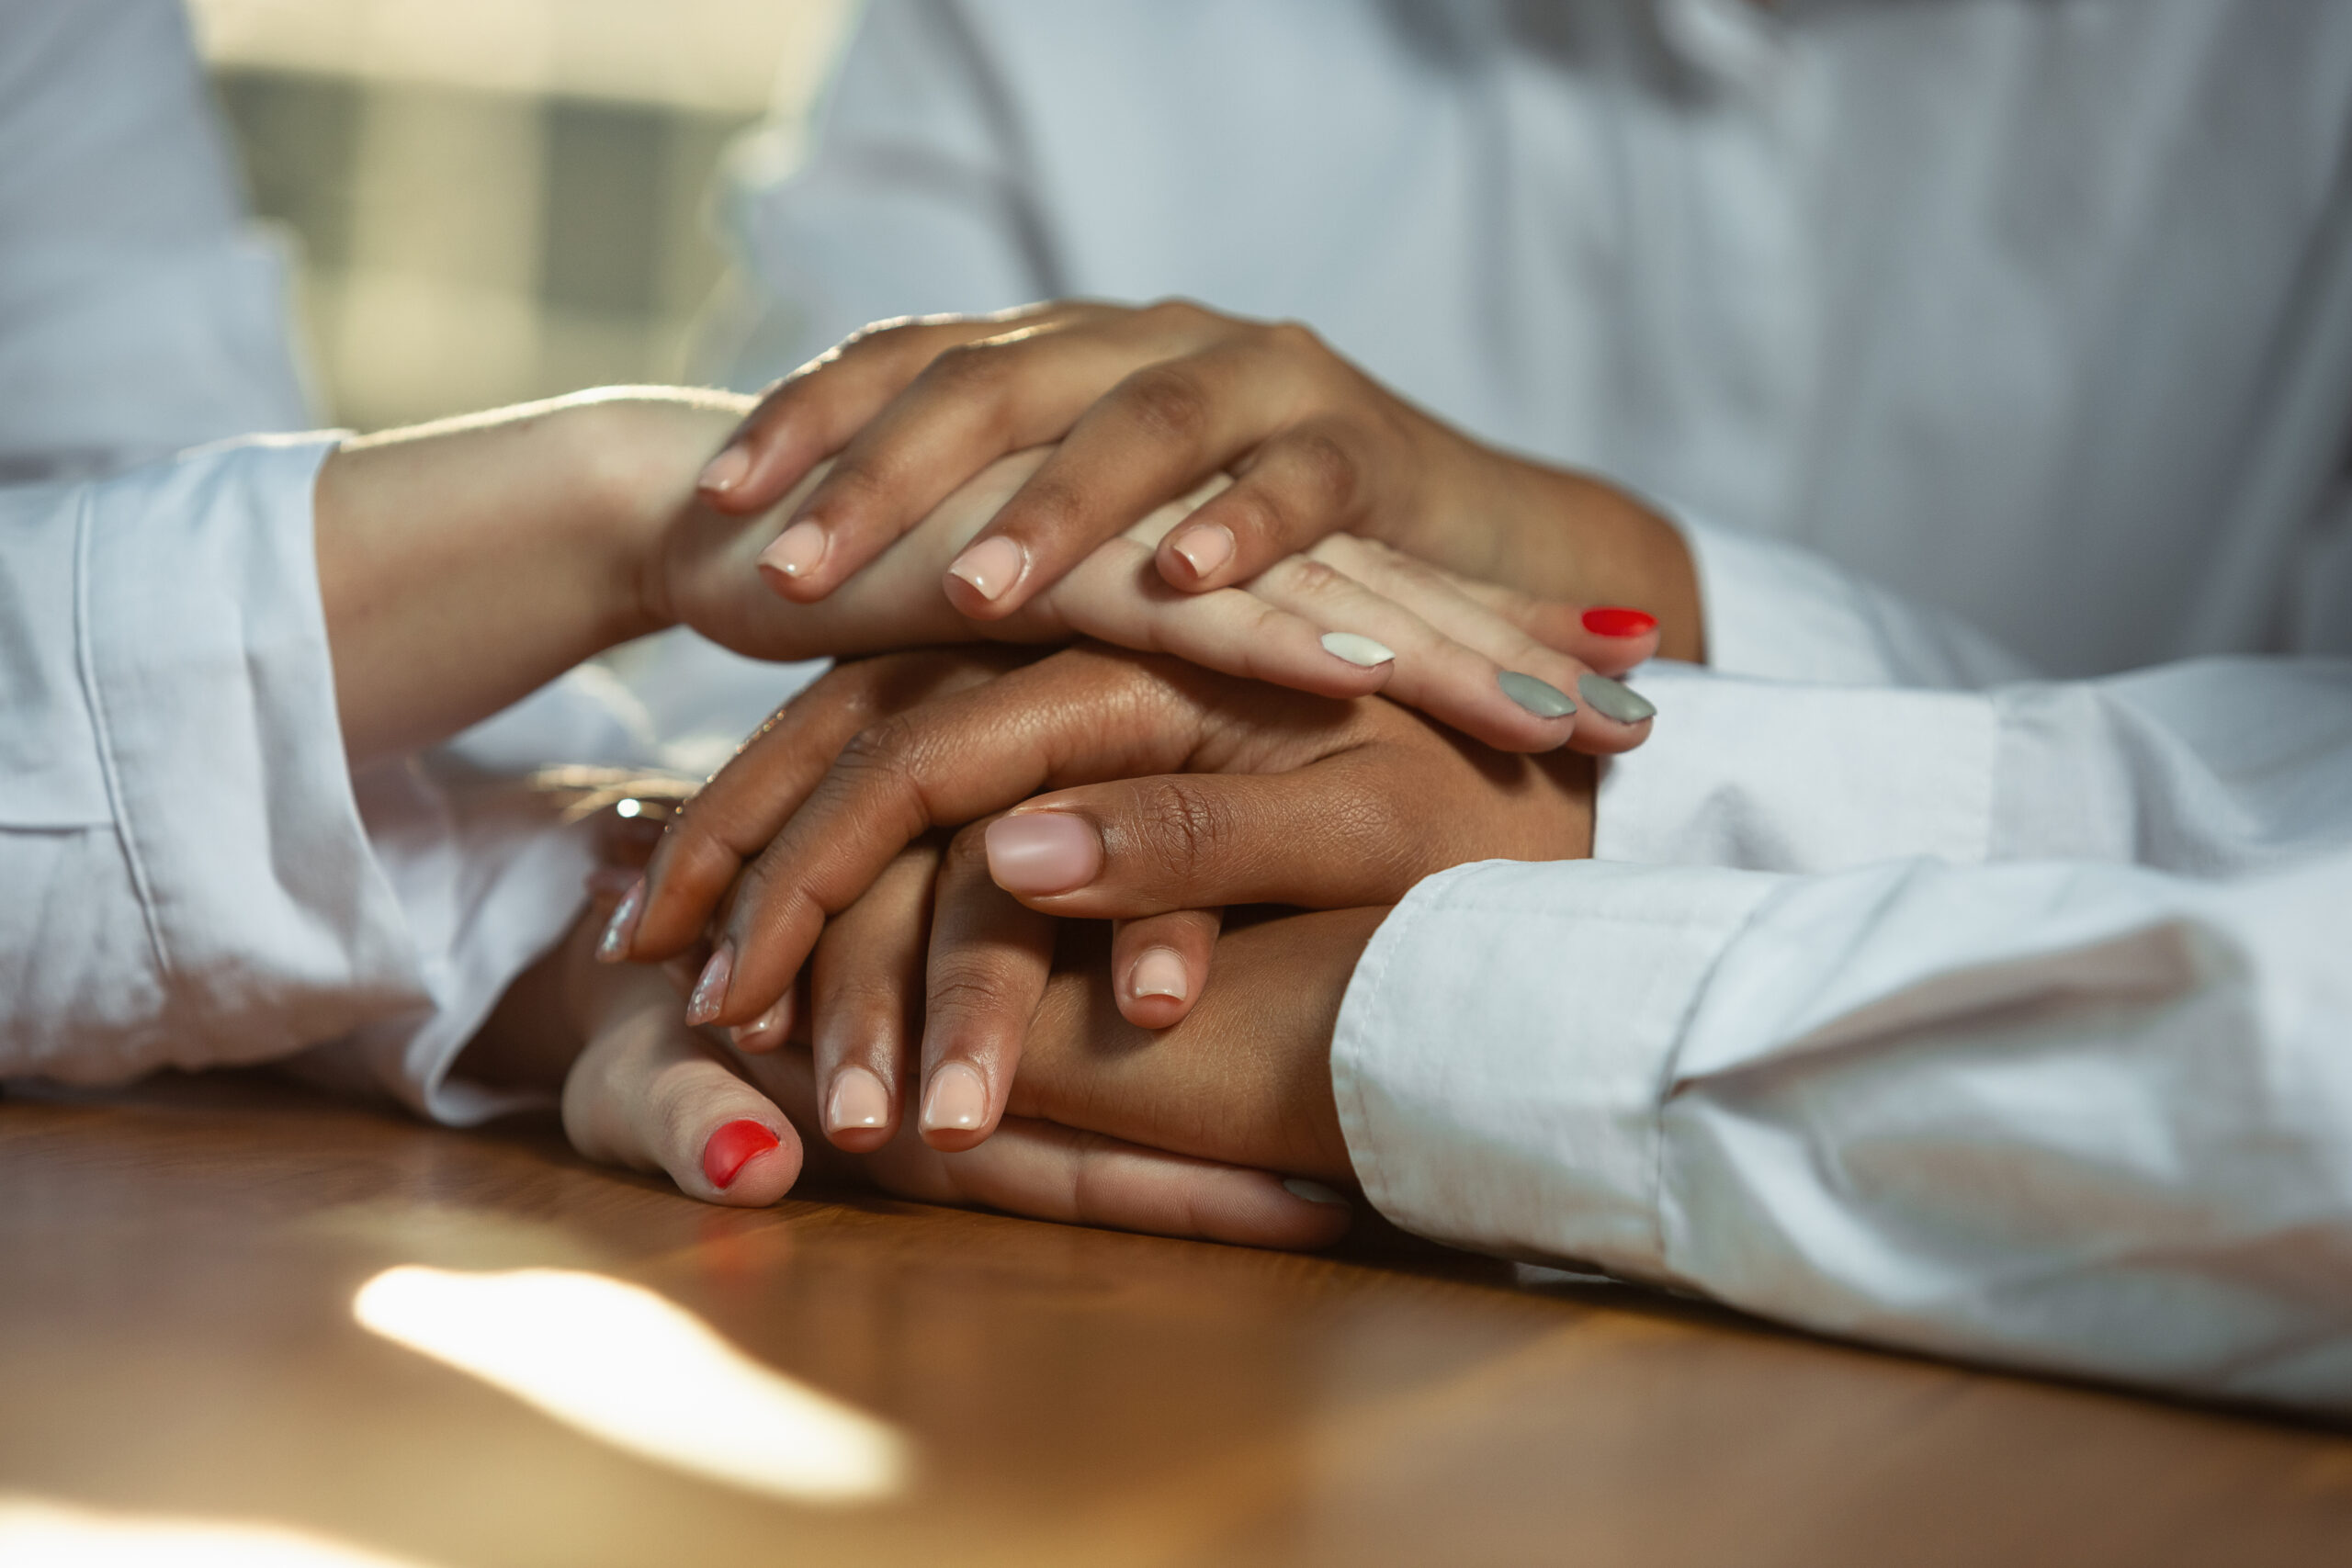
178,1267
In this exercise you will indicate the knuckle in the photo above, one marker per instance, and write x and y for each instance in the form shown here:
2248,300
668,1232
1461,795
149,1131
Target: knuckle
1295,337
968,369
1167,402
1185,832
1325,469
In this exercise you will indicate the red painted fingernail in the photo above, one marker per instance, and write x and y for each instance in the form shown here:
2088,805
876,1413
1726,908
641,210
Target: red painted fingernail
732,1148
1615,620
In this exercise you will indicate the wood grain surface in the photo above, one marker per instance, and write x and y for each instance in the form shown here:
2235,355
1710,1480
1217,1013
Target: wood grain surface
177,1265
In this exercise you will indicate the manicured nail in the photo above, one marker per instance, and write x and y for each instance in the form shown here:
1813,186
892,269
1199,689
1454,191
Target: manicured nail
1038,852
957,1099
858,1101
766,1032
1539,697
1615,620
1313,1191
620,932
1614,699
731,1148
710,991
991,567
795,552
725,471
1357,650
1205,548
1159,973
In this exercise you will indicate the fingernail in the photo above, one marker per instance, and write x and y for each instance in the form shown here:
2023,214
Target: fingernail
957,1099
991,567
710,991
731,1148
1539,697
1614,699
725,471
1313,1191
858,1101
1159,973
1357,648
1043,851
795,552
1205,548
620,932
763,1029
1615,620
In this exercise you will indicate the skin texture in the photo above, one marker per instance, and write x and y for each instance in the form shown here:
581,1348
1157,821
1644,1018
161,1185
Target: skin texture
832,838
1146,403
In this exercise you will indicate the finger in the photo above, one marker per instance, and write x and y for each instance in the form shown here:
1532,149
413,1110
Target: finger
1515,707
1328,836
988,965
1158,432
1081,714
813,413
1609,639
865,992
1051,1172
650,1094
1115,596
973,403
735,815
1316,477
1159,965
1613,719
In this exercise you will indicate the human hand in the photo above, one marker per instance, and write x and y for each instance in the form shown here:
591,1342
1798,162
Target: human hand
1270,797
1146,403
651,1093
1346,618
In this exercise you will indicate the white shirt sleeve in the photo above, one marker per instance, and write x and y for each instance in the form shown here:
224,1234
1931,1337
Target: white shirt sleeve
2067,1088
190,882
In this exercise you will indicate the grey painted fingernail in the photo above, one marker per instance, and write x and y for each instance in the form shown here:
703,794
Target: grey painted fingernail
1357,650
1539,697
1313,1191
1614,699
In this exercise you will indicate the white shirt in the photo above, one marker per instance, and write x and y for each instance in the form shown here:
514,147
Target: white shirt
1911,998
194,875
2040,313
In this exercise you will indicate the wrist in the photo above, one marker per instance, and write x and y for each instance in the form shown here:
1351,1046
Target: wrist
633,459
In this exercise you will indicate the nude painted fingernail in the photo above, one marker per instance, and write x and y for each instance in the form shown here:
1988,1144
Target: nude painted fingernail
1358,649
620,932
858,1101
725,471
731,1148
1614,699
1159,973
795,552
991,567
957,1100
1039,853
765,1030
1205,547
710,990
1313,1191
1539,697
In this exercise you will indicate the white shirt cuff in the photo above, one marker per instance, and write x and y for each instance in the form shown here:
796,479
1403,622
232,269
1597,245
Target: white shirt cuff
1544,1131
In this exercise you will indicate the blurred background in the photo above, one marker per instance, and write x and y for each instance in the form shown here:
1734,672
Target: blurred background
493,200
